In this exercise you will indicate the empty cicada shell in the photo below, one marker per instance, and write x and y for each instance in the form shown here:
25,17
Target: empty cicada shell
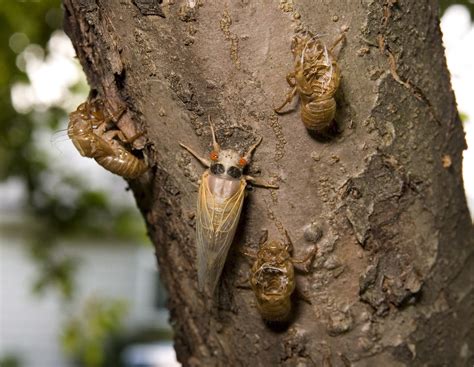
93,132
273,277
315,79
220,199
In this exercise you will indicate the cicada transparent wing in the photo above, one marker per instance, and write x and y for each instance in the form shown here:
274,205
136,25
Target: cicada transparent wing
217,220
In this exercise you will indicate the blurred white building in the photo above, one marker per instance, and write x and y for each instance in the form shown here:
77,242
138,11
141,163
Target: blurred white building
30,325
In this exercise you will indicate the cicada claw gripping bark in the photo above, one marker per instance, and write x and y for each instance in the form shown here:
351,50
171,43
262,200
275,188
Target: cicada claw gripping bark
220,198
272,277
93,132
315,79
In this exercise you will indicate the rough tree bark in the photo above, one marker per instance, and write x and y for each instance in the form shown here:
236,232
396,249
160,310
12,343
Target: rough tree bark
392,284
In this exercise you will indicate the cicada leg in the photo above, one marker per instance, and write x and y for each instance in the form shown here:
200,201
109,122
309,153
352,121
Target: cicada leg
302,85
307,258
251,255
260,183
121,136
109,135
337,41
290,78
263,238
114,117
302,295
243,284
206,163
135,137
288,99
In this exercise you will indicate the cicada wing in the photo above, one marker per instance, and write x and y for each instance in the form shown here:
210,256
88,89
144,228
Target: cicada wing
215,229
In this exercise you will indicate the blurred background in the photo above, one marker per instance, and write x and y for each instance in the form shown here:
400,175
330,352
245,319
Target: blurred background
79,284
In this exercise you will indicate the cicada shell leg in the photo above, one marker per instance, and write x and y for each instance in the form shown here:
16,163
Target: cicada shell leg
290,79
341,37
307,259
288,99
263,238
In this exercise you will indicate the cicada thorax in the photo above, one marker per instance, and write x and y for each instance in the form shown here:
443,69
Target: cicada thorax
222,189
82,123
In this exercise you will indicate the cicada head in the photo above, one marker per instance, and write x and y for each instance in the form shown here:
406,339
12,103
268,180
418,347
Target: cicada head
227,163
97,110
274,252
90,113
80,122
299,42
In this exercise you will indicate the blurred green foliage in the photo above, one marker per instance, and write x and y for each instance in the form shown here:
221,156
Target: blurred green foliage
36,20
49,215
463,116
87,336
10,361
53,215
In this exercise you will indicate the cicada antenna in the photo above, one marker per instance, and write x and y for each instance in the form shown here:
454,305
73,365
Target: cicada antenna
248,155
215,144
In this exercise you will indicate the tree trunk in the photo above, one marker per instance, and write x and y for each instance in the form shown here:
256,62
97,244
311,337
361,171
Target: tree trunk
392,283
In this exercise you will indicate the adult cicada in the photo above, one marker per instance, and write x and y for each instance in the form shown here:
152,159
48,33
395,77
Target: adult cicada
220,198
315,79
93,132
273,277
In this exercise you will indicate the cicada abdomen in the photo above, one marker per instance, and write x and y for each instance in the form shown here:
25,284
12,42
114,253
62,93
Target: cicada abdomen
94,134
220,199
122,162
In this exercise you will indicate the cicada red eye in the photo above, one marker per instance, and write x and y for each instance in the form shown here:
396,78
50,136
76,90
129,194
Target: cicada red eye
214,156
242,162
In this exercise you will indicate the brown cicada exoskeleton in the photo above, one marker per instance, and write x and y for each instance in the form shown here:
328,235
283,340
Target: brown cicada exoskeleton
273,277
315,79
93,132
